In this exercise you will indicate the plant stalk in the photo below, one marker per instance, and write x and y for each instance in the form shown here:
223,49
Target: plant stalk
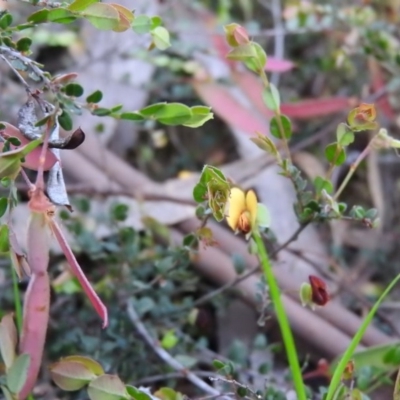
353,168
17,300
282,318
337,376
277,113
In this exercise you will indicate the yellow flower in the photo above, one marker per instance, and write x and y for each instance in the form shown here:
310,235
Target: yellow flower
242,213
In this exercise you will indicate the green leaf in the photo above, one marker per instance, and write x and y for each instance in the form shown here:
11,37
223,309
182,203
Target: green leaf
8,338
160,37
42,121
344,135
173,114
102,16
239,263
65,121
137,394
265,143
166,393
60,14
357,212
131,116
3,205
169,340
71,375
372,213
101,112
168,114
22,27
242,52
201,115
4,242
81,5
16,375
6,20
7,393
271,97
151,110
142,24
190,241
200,193
116,108
10,165
14,141
39,16
107,387
335,154
156,21
74,89
286,126
210,173
24,44
263,216
321,184
120,212
258,62
95,97
89,363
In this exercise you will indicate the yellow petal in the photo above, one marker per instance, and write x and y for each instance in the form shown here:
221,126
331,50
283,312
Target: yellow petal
237,204
251,207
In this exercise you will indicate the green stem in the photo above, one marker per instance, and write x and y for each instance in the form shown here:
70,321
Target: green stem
337,376
17,300
352,169
277,113
18,307
281,316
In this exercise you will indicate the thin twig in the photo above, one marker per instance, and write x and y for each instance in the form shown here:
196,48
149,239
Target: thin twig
249,272
16,55
165,356
174,375
346,286
17,74
237,384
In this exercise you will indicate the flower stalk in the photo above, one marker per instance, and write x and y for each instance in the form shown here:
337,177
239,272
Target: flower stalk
282,318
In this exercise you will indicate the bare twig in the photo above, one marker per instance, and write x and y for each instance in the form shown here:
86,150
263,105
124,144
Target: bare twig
174,375
165,356
249,272
237,384
12,54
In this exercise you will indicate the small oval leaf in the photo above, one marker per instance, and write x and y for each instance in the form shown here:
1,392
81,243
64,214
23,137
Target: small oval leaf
107,387
102,16
17,374
8,339
71,375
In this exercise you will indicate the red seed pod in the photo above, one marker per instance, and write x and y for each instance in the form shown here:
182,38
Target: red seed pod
319,293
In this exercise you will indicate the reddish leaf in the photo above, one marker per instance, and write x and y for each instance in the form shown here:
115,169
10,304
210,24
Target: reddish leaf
252,87
37,296
32,159
228,108
312,108
305,109
77,271
277,65
378,83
